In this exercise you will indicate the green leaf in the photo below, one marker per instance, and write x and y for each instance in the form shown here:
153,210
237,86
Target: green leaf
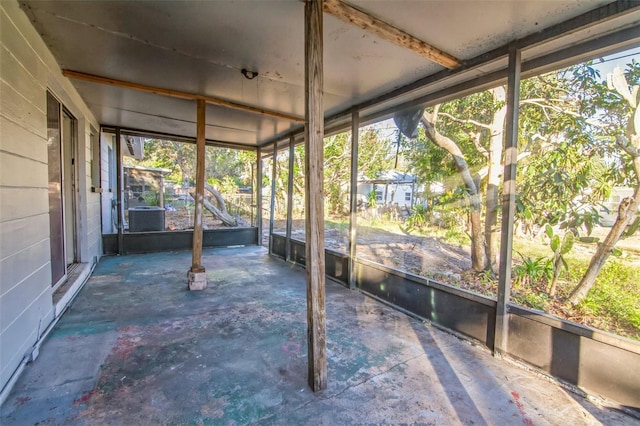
555,243
567,243
548,230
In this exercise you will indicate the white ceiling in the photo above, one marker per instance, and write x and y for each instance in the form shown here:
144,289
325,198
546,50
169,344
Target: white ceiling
200,47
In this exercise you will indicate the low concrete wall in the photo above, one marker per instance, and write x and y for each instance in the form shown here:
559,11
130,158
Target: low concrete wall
600,363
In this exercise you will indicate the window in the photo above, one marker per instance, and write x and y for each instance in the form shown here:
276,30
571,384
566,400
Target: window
407,196
112,169
94,152
379,196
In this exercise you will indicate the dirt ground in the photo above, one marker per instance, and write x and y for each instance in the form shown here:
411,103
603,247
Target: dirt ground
182,219
425,256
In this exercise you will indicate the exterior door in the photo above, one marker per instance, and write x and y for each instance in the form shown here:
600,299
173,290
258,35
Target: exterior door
69,188
56,217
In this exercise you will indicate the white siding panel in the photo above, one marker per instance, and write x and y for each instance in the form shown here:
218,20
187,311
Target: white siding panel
14,42
21,335
18,203
20,141
18,109
28,70
16,76
93,211
12,305
22,172
20,267
13,358
17,235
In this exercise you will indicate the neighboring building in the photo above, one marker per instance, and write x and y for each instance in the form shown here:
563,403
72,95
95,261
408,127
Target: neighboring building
144,186
392,187
608,211
49,191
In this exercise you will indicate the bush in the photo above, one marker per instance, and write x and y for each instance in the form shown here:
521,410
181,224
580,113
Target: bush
532,271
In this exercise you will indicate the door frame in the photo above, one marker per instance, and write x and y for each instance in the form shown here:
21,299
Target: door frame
68,152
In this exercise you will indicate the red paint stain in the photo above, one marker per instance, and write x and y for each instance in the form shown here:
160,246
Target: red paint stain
124,346
291,348
84,398
526,420
21,400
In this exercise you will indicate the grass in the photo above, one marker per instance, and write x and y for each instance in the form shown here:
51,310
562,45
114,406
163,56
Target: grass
612,304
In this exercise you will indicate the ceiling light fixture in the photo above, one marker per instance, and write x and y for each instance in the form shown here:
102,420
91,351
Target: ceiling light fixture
249,75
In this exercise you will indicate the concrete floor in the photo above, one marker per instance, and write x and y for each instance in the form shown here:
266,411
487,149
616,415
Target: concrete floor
137,348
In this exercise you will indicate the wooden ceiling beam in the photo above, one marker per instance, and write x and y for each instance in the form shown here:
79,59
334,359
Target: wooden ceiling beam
348,13
178,94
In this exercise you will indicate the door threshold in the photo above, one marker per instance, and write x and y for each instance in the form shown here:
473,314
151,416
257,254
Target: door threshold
76,277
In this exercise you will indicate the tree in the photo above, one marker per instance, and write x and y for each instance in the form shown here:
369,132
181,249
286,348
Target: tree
565,167
471,128
479,261
629,144
337,154
375,155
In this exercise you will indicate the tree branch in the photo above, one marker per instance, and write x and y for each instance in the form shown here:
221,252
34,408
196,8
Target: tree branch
468,121
625,144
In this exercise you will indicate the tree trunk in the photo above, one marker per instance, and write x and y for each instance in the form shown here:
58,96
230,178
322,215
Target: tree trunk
219,212
479,261
627,211
626,214
557,264
495,168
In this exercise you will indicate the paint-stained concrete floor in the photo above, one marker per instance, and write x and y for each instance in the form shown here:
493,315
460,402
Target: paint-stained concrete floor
137,348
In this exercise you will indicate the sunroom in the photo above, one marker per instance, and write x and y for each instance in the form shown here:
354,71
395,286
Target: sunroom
222,128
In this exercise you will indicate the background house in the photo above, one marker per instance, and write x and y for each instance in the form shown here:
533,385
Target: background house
392,187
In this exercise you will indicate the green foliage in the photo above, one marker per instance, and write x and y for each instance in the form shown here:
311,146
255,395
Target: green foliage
418,219
372,201
150,198
532,271
614,297
228,185
337,167
559,247
633,227
536,300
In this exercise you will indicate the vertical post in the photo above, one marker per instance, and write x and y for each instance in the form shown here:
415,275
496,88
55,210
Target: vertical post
353,208
508,202
314,201
292,153
197,275
119,193
259,194
161,195
272,209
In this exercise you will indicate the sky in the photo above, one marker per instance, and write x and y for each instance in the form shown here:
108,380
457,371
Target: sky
606,64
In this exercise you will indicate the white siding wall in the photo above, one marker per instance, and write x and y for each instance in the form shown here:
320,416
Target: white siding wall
28,71
108,193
